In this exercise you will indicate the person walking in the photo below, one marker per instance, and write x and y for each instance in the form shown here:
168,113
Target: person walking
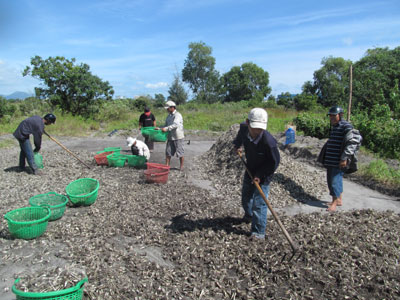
147,119
335,154
33,125
263,158
174,126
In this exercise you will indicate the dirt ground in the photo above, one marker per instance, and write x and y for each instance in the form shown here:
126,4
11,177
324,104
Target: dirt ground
190,255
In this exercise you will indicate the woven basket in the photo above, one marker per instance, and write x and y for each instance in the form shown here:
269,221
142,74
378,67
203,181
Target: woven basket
73,293
136,161
101,158
28,222
156,175
54,201
83,191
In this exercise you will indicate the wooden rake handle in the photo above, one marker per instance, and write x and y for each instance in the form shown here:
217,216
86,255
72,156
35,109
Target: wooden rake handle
65,148
292,244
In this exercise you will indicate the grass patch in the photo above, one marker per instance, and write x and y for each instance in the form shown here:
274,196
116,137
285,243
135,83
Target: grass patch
6,143
379,171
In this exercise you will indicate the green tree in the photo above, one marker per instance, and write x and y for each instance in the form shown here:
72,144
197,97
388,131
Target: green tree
376,77
305,101
308,88
177,92
159,100
331,81
247,82
286,100
271,102
142,101
71,87
200,74
3,106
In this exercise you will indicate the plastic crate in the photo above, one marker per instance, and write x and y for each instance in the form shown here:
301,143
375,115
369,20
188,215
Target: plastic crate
116,160
73,293
54,201
83,191
101,158
157,135
156,175
136,161
157,166
145,130
28,222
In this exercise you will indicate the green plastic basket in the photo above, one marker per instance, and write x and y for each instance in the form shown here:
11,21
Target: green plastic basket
145,130
38,158
157,135
73,293
83,191
112,149
28,222
116,160
137,161
54,201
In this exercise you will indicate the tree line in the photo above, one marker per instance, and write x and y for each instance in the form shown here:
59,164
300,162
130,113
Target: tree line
72,88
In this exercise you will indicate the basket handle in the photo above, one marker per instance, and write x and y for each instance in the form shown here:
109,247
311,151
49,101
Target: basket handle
80,283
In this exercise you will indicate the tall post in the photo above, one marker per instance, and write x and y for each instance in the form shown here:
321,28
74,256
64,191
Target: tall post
350,93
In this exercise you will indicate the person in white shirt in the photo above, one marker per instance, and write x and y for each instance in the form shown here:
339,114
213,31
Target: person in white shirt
174,127
138,147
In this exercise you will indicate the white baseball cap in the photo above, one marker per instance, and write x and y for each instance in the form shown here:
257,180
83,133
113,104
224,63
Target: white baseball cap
258,118
169,104
130,141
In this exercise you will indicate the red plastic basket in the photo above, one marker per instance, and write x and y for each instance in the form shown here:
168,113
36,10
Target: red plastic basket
156,175
157,166
101,158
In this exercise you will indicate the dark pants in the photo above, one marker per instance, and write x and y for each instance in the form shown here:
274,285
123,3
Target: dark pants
26,153
149,143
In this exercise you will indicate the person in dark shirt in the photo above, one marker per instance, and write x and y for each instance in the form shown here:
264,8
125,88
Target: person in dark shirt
147,119
263,158
334,159
33,125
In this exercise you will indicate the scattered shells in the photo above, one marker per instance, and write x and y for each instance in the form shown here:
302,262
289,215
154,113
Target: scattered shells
178,241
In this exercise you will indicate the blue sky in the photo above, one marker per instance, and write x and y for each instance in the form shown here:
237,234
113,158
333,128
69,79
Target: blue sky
138,45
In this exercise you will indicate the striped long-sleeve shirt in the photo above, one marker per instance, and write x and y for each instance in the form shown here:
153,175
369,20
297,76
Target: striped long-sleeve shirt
335,143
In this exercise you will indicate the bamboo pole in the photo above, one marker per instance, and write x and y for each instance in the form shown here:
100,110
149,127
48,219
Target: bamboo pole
294,246
66,149
350,93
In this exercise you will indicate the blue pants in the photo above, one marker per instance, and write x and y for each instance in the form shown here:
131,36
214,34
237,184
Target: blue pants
26,153
334,178
255,206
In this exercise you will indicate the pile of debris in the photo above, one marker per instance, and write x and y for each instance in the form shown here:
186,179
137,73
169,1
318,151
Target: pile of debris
293,181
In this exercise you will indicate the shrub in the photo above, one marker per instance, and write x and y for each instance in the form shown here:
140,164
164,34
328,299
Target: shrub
379,130
312,125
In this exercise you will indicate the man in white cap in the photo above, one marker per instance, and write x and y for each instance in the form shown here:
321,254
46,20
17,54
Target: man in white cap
263,158
174,126
138,147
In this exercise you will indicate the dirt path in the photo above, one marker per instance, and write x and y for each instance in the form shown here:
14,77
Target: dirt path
355,196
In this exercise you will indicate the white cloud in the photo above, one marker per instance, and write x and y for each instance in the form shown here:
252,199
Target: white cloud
347,41
156,85
11,79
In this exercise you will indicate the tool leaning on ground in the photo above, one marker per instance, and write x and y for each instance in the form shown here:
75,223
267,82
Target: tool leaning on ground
291,242
65,148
